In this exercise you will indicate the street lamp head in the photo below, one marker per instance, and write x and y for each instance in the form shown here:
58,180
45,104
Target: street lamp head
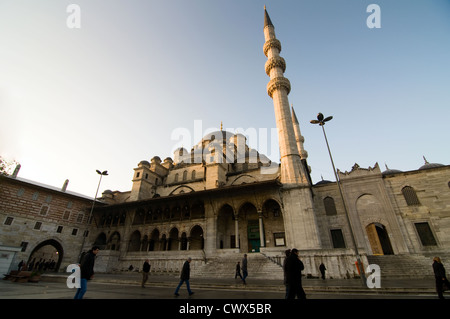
327,118
320,117
102,173
321,120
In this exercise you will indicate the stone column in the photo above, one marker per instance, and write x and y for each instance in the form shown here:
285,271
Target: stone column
261,230
236,229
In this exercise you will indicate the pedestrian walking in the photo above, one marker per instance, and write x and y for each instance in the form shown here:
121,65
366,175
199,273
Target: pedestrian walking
287,252
294,267
442,283
20,265
87,271
322,269
185,275
238,270
244,269
145,271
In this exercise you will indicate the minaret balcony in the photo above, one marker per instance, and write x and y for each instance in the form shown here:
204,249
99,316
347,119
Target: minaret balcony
278,83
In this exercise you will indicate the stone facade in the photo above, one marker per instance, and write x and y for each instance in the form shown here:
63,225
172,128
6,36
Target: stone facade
44,222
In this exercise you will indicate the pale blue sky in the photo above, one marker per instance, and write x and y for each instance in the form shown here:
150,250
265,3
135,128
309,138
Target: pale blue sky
111,94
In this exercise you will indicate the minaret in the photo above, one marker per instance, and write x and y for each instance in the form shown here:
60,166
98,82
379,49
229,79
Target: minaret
278,88
298,210
298,136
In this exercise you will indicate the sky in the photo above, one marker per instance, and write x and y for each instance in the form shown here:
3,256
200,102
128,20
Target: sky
110,83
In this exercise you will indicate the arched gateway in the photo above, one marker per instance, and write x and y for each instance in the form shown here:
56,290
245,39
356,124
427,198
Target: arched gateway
49,251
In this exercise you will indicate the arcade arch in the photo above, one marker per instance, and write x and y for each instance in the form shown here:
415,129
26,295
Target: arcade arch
250,229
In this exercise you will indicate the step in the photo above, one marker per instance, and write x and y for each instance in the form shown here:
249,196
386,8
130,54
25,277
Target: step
259,266
403,266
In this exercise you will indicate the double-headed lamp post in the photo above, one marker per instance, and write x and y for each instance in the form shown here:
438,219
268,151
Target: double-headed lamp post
321,121
104,173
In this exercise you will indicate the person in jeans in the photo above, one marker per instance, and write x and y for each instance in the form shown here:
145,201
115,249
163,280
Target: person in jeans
185,274
87,271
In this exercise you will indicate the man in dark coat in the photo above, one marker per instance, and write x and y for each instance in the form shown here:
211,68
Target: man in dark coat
440,277
87,271
238,271
294,267
244,269
322,269
185,275
145,271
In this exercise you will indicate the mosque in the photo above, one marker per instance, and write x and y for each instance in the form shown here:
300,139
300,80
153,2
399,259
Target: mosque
221,199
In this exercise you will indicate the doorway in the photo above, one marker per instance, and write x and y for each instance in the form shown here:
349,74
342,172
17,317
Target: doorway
254,240
379,239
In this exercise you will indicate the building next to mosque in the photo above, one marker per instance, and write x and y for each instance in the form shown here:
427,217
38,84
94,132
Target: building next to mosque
221,199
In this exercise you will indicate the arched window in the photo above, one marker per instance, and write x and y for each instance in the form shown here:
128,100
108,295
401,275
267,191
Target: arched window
193,176
114,241
154,240
410,196
330,207
135,241
184,241
176,178
100,241
196,240
184,175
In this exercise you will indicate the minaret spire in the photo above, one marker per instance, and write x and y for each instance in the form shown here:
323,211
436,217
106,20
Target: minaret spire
266,18
278,88
298,136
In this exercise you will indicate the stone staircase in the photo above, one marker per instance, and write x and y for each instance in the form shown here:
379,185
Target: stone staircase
224,266
403,266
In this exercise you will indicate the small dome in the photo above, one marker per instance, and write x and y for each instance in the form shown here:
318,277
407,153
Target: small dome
156,159
323,181
428,165
144,163
390,171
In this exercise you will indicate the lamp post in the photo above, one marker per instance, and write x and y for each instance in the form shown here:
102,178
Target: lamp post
321,121
104,173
